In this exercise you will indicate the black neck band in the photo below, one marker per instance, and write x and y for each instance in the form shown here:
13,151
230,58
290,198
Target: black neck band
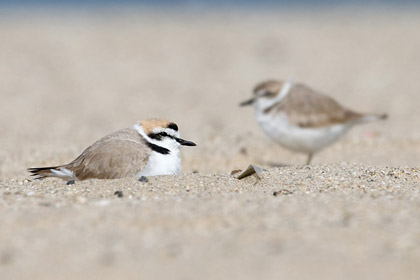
158,149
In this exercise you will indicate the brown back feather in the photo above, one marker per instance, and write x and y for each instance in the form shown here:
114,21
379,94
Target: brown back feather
308,108
119,154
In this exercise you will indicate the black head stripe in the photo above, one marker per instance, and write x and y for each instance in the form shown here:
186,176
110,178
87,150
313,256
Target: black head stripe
173,126
158,149
159,136
155,136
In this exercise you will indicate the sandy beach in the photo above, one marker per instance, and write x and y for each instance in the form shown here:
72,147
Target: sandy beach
68,79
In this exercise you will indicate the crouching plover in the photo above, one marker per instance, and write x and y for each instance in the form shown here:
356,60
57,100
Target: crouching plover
148,148
300,118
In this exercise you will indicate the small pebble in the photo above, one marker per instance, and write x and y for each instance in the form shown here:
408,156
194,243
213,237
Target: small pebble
235,171
143,179
282,192
119,193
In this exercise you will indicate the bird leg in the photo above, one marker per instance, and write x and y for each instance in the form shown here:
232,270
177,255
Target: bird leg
308,161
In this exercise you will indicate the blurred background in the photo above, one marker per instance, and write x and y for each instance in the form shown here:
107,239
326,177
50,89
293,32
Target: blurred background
73,71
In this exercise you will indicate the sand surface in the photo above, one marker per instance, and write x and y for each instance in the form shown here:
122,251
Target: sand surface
66,80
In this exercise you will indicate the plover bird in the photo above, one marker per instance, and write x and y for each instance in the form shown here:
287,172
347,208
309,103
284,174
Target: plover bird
148,148
300,118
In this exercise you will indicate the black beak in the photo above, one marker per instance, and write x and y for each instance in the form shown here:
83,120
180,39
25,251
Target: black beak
248,102
185,142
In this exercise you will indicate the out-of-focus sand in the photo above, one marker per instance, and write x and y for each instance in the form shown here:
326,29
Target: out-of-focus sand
67,80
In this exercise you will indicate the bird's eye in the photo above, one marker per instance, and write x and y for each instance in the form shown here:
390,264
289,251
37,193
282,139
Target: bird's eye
159,136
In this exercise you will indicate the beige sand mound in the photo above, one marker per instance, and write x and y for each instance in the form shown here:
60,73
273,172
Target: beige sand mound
332,220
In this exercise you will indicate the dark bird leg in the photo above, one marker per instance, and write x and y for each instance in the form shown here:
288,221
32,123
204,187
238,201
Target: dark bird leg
71,182
308,161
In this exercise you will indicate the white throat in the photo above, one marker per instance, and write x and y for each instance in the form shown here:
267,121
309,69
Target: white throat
158,163
263,103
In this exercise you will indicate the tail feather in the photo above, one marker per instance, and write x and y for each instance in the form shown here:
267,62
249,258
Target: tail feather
373,117
52,171
41,172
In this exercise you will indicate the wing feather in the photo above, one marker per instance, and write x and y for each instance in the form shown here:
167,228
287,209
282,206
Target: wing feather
120,154
308,108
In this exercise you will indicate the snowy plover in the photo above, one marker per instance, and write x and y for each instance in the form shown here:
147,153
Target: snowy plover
148,148
300,118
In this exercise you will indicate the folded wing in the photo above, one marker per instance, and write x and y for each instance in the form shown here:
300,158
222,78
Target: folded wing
120,154
307,108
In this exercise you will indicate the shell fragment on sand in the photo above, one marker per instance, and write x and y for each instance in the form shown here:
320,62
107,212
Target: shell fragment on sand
252,169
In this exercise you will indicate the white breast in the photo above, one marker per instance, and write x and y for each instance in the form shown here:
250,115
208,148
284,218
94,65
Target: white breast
161,164
306,140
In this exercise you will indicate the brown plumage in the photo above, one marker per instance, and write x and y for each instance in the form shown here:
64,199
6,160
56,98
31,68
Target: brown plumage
120,154
148,148
308,108
150,124
272,87
300,118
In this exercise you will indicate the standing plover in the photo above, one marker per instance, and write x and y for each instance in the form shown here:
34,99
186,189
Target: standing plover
300,118
148,148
